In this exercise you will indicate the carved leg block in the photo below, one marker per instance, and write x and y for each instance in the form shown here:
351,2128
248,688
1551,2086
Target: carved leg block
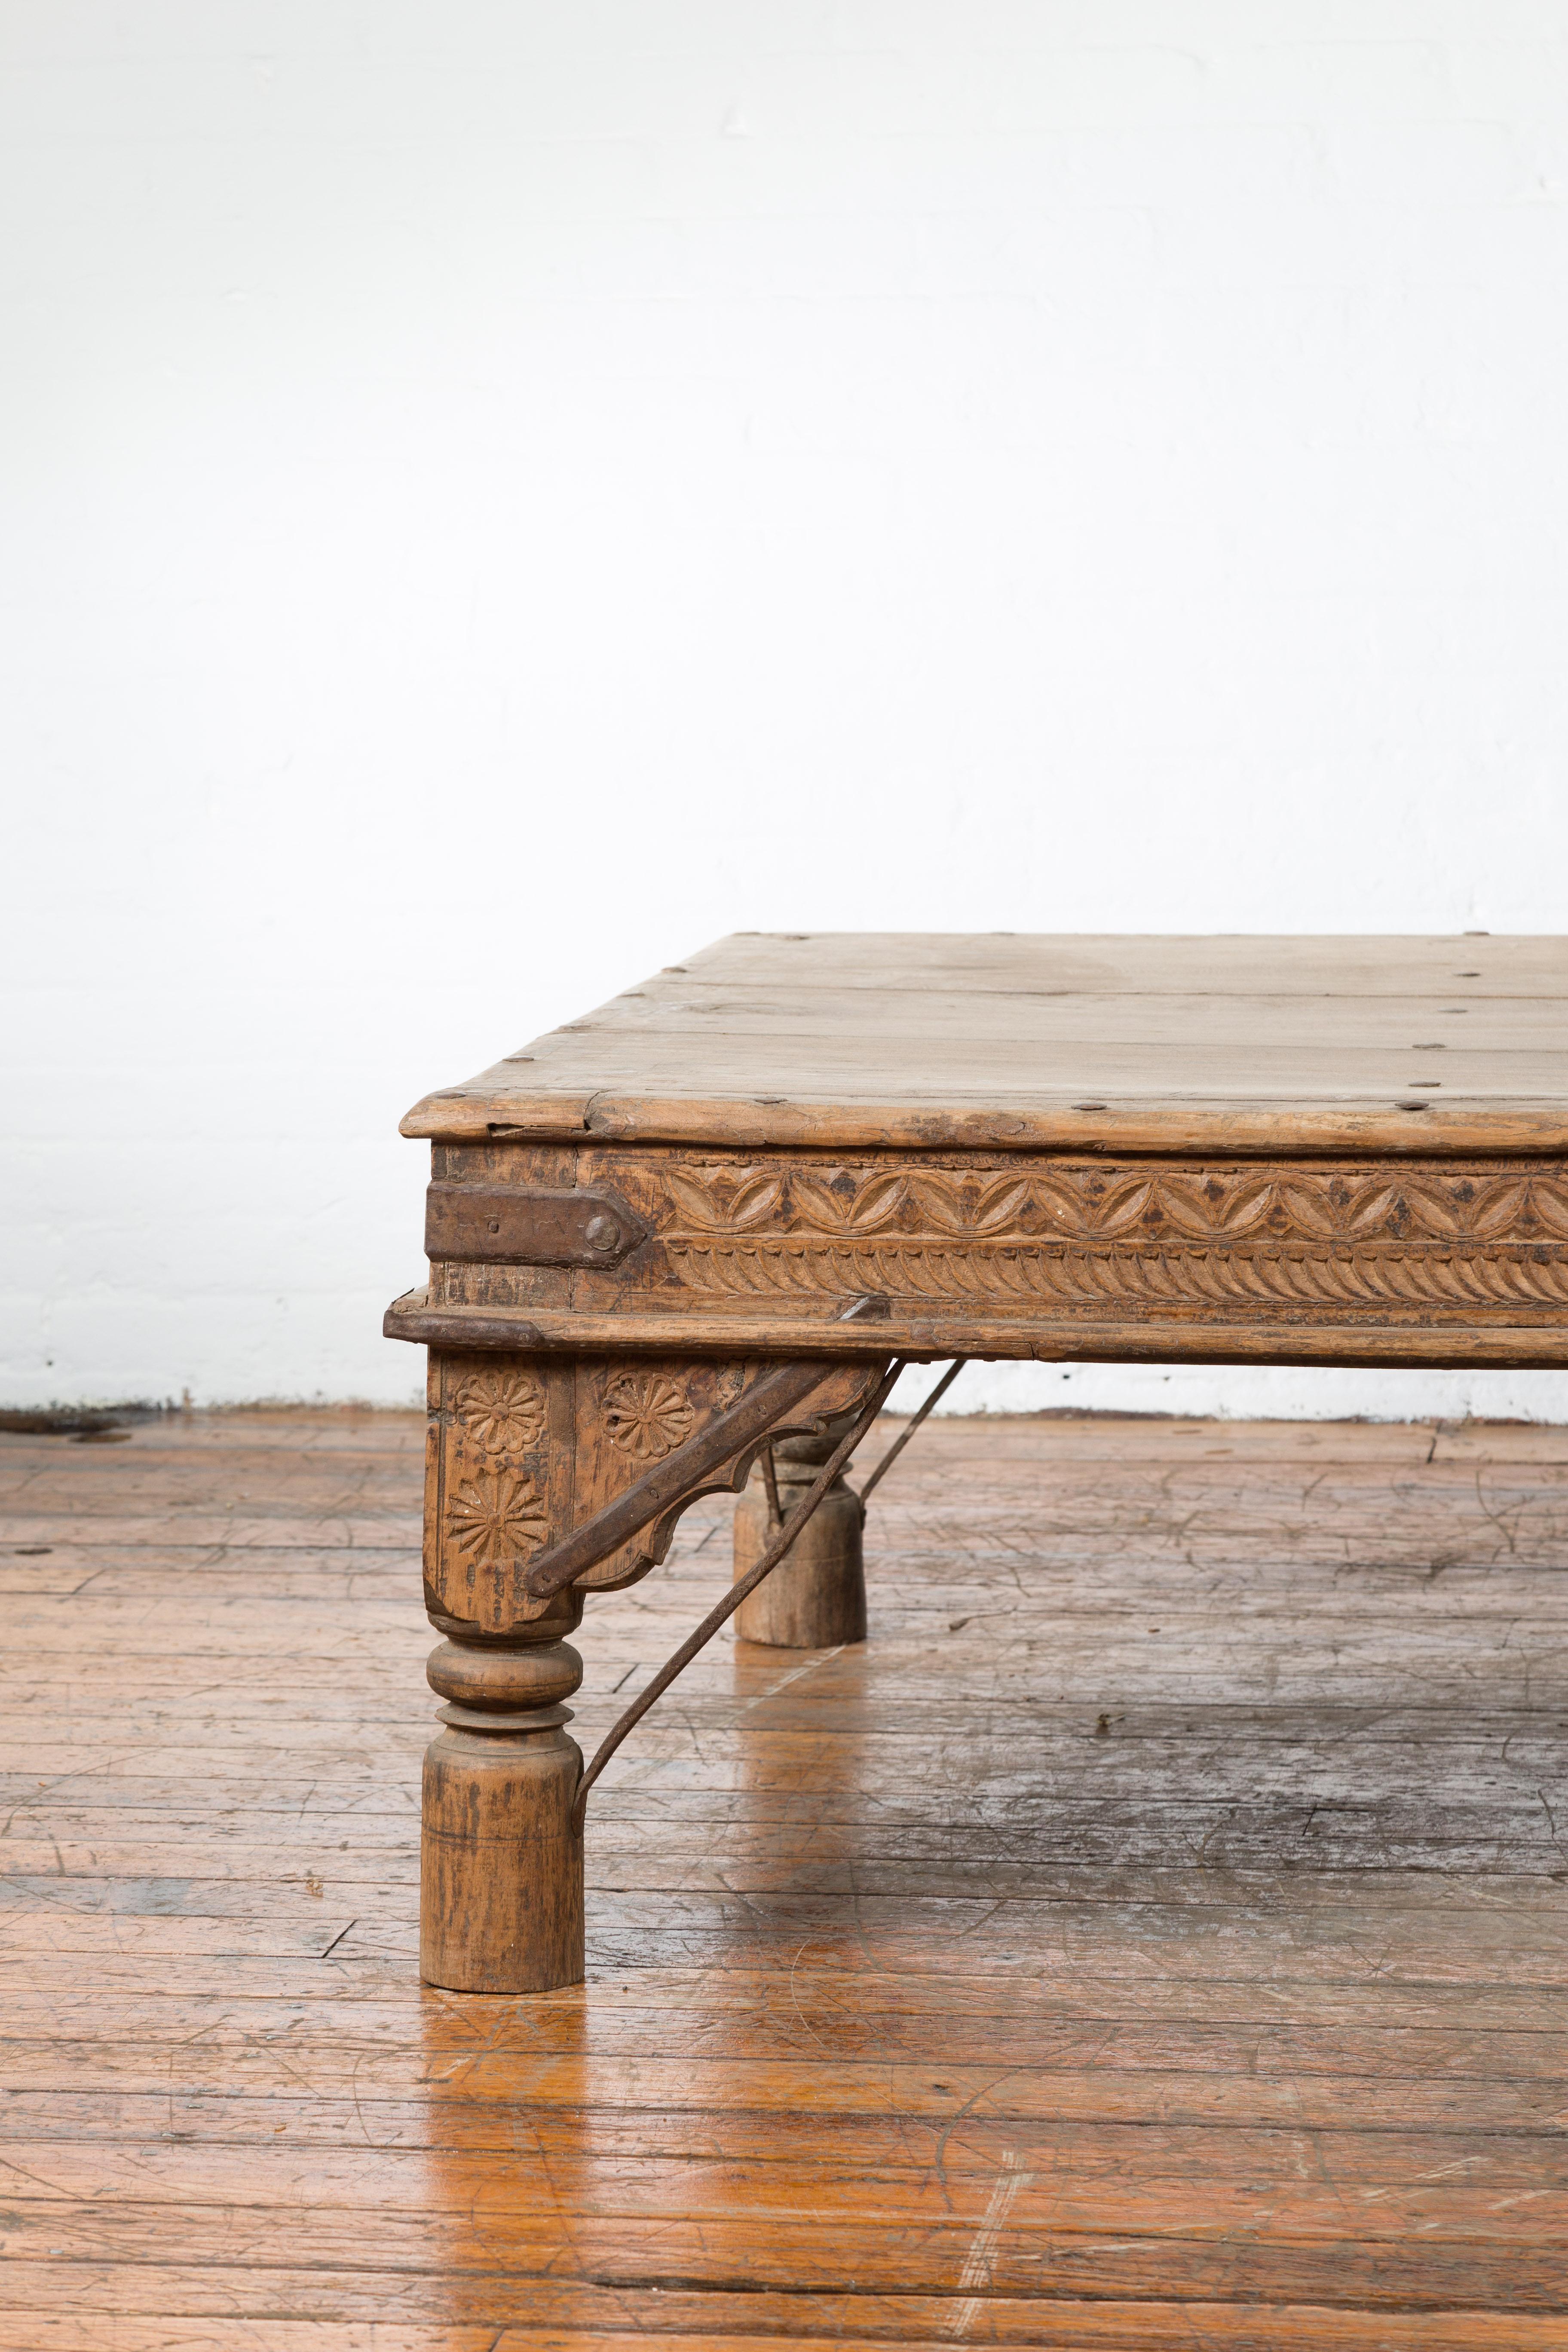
548,1477
816,1598
500,1906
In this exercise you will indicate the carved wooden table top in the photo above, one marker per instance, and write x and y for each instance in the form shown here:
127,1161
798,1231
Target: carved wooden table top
722,1212
1293,1149
1007,1039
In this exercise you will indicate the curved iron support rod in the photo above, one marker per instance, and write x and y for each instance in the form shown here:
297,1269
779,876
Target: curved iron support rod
770,1481
897,1447
733,1598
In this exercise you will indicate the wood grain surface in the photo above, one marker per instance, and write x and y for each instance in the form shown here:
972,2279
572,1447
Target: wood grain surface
1153,1938
1014,1041
1390,1260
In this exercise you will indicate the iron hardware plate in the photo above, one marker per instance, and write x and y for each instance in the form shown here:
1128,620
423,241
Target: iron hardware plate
529,1224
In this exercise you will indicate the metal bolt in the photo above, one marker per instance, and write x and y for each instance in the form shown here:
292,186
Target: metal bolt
600,1232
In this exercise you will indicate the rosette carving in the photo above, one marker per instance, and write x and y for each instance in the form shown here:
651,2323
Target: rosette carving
496,1518
502,1412
647,1414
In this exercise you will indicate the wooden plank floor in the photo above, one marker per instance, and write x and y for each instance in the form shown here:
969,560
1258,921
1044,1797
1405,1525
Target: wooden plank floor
1153,1938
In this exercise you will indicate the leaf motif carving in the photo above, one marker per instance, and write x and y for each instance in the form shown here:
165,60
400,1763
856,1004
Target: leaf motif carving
726,1204
1001,1205
950,1208
1550,1202
1426,1209
1502,1205
1317,1209
1189,1208
1123,1207
1069,1201
818,1207
1060,1204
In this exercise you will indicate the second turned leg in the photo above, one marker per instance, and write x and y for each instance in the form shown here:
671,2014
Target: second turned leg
816,1598
500,1904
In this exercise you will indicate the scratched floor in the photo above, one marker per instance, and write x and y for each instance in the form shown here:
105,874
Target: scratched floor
1153,1938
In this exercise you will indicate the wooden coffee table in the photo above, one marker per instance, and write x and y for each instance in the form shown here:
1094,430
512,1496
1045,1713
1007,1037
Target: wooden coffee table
724,1206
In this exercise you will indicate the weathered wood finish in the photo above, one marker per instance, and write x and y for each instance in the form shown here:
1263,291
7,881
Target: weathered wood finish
500,1903
1300,1150
815,1598
918,2009
1006,1042
1414,1260
521,1451
792,1149
523,1448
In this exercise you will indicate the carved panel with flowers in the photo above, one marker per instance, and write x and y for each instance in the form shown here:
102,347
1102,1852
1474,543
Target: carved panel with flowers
525,1448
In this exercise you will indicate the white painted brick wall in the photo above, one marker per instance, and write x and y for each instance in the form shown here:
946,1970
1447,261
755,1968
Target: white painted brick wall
496,494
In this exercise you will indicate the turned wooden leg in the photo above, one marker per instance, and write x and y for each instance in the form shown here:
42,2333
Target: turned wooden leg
547,1476
500,1906
816,1598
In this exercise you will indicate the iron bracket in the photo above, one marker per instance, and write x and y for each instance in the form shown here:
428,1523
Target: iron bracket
529,1224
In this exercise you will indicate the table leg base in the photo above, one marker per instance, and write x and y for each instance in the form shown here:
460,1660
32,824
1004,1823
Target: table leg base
816,1598
501,1896
500,1906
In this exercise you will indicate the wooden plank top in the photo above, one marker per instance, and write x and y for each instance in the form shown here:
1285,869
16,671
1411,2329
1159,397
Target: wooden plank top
1006,1040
